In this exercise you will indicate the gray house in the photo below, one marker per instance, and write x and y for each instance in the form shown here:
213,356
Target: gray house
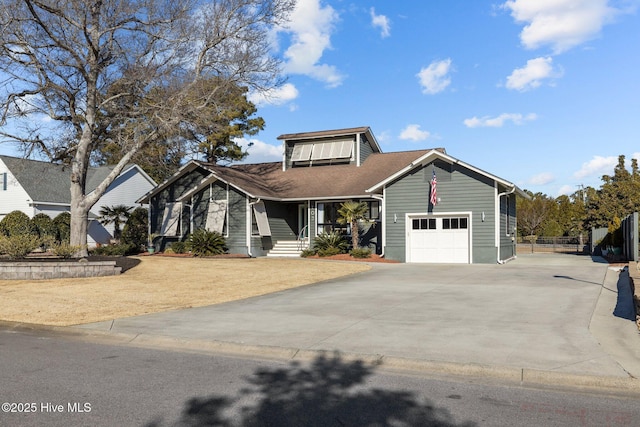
35,187
423,205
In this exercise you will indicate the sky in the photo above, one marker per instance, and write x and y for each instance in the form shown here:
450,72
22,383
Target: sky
542,93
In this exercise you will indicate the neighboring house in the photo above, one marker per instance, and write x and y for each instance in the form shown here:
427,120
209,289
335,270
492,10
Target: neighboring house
257,207
34,187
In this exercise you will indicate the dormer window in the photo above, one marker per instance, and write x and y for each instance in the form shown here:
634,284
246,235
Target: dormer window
301,152
330,150
322,152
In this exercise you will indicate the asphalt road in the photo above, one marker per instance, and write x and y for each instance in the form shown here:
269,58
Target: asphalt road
70,381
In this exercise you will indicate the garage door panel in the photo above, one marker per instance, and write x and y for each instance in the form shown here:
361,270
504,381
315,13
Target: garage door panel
439,245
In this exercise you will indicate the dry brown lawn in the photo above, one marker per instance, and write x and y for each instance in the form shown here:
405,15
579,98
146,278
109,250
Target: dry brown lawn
159,284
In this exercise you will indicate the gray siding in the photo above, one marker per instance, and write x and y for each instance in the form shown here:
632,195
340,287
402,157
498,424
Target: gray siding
507,226
237,223
365,148
235,231
169,195
283,220
459,190
236,218
288,150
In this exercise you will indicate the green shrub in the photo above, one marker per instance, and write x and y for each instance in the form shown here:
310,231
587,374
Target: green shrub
329,252
64,250
308,252
206,243
179,247
18,246
333,239
16,223
43,225
63,227
121,249
360,253
136,228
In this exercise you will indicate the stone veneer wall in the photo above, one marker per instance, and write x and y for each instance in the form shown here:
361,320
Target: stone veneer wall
57,270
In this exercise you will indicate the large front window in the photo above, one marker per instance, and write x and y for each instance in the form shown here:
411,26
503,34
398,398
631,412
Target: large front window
328,216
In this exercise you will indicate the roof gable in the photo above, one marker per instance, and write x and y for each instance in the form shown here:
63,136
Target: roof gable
440,154
44,182
50,182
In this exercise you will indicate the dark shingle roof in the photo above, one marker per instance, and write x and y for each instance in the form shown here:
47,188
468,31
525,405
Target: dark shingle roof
268,180
324,133
49,182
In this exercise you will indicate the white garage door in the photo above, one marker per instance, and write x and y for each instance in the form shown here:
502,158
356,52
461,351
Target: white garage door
438,239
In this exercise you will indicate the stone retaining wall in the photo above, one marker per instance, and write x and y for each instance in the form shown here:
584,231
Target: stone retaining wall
57,270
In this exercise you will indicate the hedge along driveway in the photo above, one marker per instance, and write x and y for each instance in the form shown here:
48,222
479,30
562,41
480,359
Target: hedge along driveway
160,284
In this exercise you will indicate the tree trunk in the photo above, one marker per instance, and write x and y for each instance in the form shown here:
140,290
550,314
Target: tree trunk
79,206
354,234
79,228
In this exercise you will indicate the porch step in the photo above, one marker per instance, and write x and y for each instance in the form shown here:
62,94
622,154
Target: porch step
288,248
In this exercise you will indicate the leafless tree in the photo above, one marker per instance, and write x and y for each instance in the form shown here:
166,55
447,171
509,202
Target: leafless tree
123,71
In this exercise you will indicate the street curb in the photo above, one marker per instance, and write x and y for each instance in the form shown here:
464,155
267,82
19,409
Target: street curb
514,375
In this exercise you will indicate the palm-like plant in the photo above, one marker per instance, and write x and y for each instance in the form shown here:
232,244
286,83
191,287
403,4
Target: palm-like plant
116,215
351,212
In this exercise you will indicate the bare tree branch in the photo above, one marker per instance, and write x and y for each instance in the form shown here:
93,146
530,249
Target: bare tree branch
124,72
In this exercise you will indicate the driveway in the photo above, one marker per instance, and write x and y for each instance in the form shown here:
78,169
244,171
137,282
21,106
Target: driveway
531,313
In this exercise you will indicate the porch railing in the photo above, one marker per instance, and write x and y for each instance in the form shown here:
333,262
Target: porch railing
302,234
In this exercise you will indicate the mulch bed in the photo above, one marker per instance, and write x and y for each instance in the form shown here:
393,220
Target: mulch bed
347,257
339,257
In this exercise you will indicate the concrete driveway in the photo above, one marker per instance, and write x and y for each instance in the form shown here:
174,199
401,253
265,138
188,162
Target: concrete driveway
532,313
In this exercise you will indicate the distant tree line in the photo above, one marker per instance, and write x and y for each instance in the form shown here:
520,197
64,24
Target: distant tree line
574,215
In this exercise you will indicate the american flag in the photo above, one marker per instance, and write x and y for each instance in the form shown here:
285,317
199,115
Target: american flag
434,191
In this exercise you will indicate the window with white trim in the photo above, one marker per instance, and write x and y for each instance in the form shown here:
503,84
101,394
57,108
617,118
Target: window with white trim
373,210
3,181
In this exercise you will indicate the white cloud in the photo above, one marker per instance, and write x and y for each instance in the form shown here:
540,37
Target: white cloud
435,78
565,190
259,151
383,137
597,166
278,96
414,133
561,24
310,27
543,178
531,75
498,122
382,22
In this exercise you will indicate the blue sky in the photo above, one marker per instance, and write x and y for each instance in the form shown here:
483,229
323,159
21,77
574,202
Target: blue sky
543,93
